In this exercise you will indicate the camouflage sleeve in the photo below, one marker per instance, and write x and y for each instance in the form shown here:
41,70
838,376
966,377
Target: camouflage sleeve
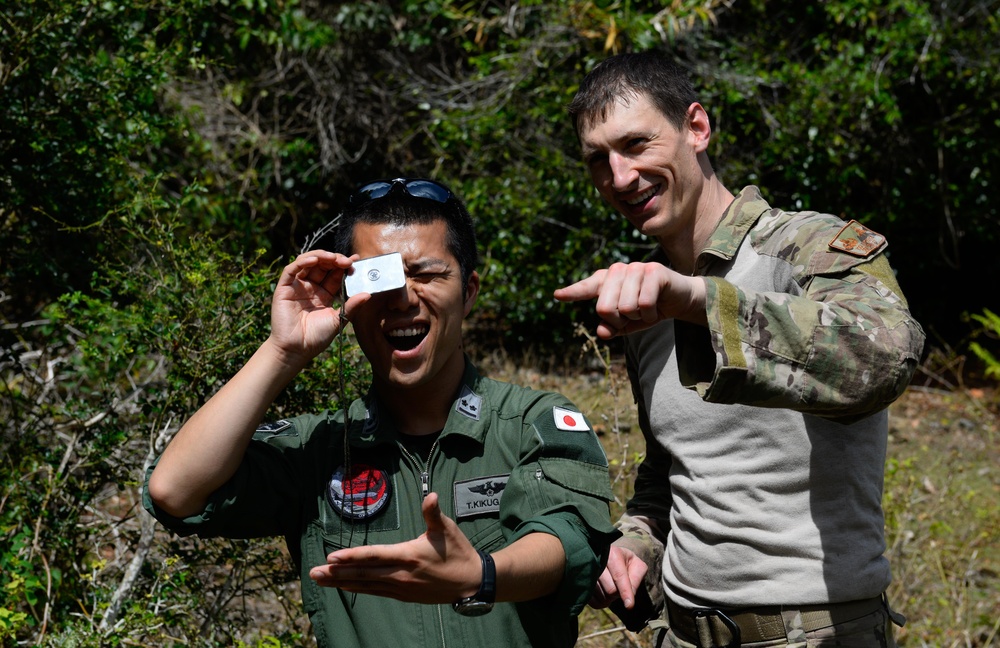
841,343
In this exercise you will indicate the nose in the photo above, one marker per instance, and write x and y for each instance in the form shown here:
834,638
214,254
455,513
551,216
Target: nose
622,172
404,298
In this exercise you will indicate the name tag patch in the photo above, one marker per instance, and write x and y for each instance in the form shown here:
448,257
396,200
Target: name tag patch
479,496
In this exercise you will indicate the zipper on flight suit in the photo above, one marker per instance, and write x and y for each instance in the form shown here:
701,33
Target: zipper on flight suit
425,485
425,475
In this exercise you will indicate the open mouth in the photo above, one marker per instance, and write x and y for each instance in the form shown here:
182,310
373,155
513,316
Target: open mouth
405,339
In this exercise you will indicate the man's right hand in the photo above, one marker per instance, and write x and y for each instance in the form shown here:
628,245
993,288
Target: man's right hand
303,322
635,296
209,447
621,579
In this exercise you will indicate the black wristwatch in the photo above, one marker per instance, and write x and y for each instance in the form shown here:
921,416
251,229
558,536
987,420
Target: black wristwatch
482,601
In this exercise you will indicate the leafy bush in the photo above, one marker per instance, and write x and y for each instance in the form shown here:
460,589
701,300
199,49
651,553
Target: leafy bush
160,158
91,394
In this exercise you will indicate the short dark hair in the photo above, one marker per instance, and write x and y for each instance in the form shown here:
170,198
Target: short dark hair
400,208
623,77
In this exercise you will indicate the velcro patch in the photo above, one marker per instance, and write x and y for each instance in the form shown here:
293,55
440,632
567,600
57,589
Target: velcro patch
371,421
359,492
469,403
856,239
569,420
273,428
479,496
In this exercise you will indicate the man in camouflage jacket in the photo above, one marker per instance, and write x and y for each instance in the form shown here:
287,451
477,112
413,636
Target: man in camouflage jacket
763,348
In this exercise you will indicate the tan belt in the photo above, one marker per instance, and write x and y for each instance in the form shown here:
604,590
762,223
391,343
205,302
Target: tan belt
714,628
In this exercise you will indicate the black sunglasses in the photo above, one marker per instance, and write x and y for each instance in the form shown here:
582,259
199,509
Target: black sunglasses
417,188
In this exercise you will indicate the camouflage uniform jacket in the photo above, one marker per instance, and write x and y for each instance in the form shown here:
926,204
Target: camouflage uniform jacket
510,461
766,432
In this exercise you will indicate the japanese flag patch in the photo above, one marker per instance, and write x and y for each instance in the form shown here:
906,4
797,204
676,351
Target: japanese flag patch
569,420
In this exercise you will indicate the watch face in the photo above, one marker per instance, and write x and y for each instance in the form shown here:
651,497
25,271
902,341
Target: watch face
472,607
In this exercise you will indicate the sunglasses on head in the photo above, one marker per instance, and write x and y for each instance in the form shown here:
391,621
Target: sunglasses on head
416,188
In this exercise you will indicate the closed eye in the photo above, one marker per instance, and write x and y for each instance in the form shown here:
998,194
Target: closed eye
594,159
428,276
634,143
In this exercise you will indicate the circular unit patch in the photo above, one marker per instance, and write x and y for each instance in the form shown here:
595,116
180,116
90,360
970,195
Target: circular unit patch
359,494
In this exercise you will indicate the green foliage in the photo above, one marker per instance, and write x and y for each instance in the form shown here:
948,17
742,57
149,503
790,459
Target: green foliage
103,379
78,93
885,112
160,158
990,327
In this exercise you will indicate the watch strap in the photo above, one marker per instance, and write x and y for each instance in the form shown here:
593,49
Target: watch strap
488,588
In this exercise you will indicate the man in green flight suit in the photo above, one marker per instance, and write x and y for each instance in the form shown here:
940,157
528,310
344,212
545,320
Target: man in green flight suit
443,508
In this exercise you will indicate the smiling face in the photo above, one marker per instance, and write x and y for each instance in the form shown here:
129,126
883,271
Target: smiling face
645,167
413,336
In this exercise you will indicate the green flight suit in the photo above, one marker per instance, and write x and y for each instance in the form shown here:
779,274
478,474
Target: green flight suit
510,461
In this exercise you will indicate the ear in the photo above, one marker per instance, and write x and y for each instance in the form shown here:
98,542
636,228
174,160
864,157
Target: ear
699,127
471,292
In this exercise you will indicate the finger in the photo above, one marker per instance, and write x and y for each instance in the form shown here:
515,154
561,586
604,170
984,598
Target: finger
599,599
609,301
606,331
607,588
631,580
327,273
433,517
371,556
319,268
354,578
349,308
618,572
584,289
631,287
655,284
637,571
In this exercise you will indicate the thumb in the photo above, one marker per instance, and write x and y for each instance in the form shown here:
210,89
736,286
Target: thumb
433,517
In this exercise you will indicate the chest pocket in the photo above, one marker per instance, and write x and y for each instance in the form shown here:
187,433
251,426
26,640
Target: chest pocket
358,504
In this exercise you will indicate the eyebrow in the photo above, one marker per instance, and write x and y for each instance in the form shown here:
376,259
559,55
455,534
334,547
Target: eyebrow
421,265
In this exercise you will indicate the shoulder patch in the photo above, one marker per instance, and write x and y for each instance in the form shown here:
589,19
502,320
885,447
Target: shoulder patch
566,434
856,239
469,403
274,427
569,420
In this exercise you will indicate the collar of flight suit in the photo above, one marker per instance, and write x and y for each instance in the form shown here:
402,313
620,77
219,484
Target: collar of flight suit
371,425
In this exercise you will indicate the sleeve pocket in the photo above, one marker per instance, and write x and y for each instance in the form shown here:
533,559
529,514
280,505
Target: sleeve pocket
578,477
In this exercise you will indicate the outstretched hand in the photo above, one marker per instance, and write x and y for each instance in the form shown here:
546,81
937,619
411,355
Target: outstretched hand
439,566
620,579
303,320
635,296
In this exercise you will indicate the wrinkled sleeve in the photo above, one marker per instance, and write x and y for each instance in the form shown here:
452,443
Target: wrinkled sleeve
845,347
260,500
567,492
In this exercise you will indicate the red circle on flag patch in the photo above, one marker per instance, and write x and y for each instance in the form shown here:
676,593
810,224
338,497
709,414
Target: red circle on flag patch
569,421
360,492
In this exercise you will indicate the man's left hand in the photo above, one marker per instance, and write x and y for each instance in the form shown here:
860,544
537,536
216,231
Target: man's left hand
439,566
